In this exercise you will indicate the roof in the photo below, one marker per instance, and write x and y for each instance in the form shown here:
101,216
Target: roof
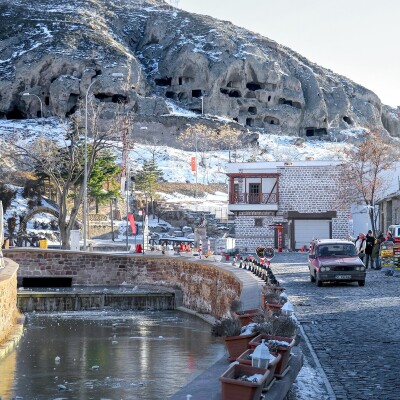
330,241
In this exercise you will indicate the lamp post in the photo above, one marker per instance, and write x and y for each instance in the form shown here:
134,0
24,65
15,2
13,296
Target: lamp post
85,160
128,182
41,104
112,201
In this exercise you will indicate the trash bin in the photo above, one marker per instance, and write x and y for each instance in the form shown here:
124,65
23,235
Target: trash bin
227,256
43,243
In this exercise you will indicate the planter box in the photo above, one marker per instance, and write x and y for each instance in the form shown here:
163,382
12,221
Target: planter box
282,350
245,359
236,389
245,317
236,345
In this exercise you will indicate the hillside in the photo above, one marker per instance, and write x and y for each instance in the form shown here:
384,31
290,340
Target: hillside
170,58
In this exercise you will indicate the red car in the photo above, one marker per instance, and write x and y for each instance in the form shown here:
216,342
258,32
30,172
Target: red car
332,260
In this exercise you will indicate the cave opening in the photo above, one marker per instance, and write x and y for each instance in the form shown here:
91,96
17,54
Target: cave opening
166,81
170,95
234,93
197,93
252,110
253,86
15,113
347,120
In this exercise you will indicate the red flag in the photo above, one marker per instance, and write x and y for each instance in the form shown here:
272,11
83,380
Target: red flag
131,218
193,164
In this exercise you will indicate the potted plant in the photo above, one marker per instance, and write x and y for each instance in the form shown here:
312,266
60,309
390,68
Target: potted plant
246,359
280,339
243,382
244,316
236,338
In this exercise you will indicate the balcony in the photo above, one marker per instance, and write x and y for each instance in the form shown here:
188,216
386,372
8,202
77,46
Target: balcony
253,202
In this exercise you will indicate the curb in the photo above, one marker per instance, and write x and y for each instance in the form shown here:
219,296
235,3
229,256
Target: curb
318,365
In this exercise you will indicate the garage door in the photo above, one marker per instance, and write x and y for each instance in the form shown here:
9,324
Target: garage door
305,230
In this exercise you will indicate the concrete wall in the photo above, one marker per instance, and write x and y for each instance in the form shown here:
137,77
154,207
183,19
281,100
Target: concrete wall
8,299
206,288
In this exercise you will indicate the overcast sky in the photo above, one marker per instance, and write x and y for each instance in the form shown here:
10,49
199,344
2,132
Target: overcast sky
359,39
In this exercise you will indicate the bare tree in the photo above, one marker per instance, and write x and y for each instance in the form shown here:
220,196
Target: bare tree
362,174
62,160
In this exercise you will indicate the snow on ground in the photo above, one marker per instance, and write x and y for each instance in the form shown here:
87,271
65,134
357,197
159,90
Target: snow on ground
176,163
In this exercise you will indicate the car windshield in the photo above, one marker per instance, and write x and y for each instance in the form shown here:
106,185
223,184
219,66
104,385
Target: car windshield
337,249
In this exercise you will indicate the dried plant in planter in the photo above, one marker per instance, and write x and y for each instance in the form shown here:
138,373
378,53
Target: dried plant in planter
272,297
226,327
260,317
236,306
284,325
262,323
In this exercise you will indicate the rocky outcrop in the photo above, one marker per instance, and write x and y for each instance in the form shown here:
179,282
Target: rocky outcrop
151,57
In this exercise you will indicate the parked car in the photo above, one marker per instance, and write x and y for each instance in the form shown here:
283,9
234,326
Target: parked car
332,260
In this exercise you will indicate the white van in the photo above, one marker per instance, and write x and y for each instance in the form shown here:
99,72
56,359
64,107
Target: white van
395,231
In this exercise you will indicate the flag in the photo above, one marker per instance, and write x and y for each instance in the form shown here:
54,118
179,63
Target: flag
131,218
193,164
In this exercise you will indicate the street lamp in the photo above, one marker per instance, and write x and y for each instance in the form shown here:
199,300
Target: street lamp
85,168
41,104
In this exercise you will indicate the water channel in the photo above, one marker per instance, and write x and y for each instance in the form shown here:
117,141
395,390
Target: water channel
107,356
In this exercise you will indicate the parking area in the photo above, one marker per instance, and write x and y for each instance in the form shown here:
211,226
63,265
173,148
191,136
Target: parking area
354,331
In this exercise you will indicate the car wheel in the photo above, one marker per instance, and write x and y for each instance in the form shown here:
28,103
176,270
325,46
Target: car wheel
361,283
312,278
317,280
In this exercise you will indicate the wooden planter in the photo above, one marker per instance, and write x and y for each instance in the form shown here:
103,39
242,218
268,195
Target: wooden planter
284,351
236,389
246,317
236,345
246,360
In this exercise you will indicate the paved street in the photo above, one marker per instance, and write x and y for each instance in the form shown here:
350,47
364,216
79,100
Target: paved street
354,331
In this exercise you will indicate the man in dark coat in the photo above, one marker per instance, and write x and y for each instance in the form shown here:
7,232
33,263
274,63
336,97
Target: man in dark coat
369,245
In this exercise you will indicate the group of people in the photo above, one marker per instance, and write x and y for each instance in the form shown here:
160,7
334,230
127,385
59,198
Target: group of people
368,248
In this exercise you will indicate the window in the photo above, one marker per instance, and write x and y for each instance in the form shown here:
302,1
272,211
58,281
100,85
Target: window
258,222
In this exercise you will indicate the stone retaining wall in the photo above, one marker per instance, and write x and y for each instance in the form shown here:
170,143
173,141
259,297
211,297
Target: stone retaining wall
205,287
8,299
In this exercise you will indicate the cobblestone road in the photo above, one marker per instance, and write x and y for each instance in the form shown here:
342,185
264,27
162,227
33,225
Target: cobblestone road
355,331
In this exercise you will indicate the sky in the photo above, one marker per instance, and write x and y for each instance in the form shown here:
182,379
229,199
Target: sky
359,39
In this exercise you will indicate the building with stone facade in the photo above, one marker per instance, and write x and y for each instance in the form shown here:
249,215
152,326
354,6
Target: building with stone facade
301,197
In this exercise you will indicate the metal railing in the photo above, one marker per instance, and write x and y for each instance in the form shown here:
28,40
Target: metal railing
253,198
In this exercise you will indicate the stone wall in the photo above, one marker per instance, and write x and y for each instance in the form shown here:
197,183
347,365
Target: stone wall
8,299
206,288
314,189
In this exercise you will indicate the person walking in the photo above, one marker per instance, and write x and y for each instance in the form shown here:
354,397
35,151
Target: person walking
369,245
376,261
360,246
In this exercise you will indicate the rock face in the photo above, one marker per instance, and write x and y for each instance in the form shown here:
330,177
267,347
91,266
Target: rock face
167,58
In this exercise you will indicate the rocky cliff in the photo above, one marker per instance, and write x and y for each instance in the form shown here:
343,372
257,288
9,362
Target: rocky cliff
150,57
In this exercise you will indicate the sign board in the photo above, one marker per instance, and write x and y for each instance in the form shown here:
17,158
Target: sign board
74,240
387,254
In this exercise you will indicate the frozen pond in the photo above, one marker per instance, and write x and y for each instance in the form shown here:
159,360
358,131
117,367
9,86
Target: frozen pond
107,356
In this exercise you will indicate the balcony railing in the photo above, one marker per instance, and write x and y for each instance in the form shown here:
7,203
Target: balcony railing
253,198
